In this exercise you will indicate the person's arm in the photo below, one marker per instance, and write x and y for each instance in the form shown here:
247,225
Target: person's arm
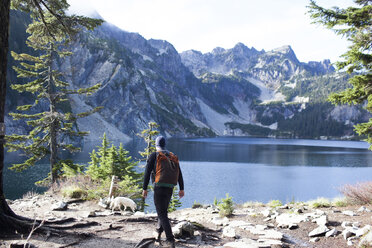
181,193
149,168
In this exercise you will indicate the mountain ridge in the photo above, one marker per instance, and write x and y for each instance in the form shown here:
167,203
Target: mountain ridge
192,94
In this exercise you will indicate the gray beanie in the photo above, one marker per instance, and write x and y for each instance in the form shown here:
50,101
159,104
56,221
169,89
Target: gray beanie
160,141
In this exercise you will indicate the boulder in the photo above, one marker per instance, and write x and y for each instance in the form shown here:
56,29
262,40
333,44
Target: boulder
272,234
229,232
183,229
347,233
366,241
59,206
363,209
220,221
242,243
286,219
322,220
266,213
346,224
88,214
348,213
333,232
139,214
320,230
240,223
363,231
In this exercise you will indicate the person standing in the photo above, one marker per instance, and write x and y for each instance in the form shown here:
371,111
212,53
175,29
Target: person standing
163,167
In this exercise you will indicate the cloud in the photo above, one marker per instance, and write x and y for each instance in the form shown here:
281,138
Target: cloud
82,7
204,25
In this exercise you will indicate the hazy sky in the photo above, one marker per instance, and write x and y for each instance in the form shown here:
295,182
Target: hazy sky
205,24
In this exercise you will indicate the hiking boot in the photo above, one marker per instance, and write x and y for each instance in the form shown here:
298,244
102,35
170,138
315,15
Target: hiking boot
157,237
169,244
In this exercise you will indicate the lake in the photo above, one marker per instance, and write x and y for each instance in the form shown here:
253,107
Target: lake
249,169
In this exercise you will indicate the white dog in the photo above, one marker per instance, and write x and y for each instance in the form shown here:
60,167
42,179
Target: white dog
122,201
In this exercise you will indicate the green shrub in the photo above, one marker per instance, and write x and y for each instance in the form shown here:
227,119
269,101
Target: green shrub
275,203
226,206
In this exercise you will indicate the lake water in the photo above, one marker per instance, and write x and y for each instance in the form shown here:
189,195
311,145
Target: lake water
249,169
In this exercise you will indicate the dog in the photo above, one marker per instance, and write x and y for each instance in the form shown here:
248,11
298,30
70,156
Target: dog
119,201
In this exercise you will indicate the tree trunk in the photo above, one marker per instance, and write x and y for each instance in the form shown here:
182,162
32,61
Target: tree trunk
6,214
54,124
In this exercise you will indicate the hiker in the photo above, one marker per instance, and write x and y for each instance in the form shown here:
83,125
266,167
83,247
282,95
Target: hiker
163,167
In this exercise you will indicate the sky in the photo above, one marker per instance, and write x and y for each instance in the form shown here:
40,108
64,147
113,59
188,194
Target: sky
205,24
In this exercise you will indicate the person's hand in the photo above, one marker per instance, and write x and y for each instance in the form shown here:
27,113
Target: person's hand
181,193
144,193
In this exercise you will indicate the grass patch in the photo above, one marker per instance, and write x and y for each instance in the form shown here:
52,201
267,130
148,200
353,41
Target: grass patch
340,202
253,204
321,202
274,203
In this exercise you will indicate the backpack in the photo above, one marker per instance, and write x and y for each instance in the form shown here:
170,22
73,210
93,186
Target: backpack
167,169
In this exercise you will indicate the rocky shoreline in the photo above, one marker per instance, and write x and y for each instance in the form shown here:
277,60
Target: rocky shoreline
251,225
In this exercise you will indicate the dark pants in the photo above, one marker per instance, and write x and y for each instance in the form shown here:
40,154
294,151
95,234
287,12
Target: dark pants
162,197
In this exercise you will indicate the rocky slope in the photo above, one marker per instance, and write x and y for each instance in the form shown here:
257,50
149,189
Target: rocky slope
251,225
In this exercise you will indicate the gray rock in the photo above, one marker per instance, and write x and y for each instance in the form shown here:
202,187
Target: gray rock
363,209
346,224
89,214
322,220
320,230
228,232
242,243
240,223
59,206
366,241
313,240
272,234
183,229
349,213
266,213
347,234
331,233
362,231
220,221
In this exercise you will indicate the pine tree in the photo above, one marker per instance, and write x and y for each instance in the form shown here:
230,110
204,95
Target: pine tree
9,221
110,161
49,128
354,24
148,135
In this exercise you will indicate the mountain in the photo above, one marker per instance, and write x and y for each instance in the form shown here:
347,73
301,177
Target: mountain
237,91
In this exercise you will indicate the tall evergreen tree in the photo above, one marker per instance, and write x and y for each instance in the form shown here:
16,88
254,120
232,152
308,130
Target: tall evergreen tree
355,24
49,128
9,221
